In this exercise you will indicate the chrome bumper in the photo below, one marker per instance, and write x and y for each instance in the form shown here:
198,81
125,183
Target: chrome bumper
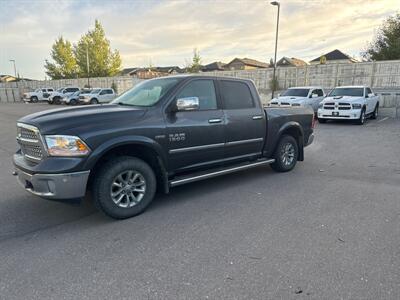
54,186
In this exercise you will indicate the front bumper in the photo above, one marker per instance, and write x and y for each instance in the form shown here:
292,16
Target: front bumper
54,186
349,114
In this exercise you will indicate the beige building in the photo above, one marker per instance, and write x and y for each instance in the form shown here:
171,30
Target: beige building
245,64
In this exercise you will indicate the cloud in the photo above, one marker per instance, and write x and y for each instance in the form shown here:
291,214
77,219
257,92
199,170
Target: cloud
165,32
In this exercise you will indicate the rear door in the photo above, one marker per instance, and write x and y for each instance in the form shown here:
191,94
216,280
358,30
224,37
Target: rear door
245,127
196,138
371,101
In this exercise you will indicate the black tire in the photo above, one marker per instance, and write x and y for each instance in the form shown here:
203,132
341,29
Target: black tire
322,121
34,99
50,102
103,187
375,112
94,101
57,100
363,117
73,102
280,164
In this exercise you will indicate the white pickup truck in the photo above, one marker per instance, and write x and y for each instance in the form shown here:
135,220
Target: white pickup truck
300,96
98,95
41,94
349,103
55,98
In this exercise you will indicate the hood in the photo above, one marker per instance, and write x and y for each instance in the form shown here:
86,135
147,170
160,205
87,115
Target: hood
69,120
291,99
342,99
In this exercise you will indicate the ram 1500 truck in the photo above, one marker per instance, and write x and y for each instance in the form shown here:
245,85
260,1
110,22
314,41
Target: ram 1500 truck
162,133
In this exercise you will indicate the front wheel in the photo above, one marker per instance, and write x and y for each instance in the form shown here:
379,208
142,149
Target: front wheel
286,154
94,101
124,187
73,102
34,99
361,120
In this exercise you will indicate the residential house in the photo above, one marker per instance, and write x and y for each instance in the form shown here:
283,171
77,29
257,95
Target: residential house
334,57
7,78
152,72
290,62
214,66
245,64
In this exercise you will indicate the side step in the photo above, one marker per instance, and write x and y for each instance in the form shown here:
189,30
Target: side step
221,171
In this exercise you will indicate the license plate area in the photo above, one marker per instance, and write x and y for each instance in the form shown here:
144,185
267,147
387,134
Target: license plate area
335,113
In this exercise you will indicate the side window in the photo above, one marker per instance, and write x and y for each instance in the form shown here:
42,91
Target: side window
110,92
320,92
204,89
368,91
44,90
236,95
50,90
103,92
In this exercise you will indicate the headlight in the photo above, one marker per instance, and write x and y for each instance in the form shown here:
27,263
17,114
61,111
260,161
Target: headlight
356,106
66,145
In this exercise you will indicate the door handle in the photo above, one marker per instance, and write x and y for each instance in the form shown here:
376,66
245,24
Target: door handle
257,117
211,121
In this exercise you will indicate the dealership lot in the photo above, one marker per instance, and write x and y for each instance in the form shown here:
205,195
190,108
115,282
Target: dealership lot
329,229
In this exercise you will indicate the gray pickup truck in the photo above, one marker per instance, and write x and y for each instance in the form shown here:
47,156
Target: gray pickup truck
162,133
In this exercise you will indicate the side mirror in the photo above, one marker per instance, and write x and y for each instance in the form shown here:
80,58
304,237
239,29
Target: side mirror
314,96
187,103
371,95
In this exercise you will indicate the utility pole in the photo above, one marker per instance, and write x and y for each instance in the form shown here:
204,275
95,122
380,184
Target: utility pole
275,3
87,63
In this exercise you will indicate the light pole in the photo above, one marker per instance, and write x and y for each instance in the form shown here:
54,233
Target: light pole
87,63
15,69
275,3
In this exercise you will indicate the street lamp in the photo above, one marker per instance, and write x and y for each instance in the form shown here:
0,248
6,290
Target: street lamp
275,3
15,69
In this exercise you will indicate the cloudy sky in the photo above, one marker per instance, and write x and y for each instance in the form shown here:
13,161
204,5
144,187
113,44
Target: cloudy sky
164,32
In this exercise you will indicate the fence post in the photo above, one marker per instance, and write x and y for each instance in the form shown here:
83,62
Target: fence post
397,105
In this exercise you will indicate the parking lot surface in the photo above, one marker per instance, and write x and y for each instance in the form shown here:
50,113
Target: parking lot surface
330,229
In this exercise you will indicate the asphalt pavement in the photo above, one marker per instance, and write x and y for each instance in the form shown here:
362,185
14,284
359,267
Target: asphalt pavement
330,229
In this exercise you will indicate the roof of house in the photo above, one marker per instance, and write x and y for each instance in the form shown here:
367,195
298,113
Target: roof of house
251,62
129,71
216,65
335,55
292,61
126,71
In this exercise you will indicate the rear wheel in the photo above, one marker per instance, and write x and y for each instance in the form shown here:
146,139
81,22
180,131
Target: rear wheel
286,154
124,187
56,100
73,102
94,101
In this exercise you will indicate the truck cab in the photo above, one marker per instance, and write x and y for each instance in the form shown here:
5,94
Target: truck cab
300,96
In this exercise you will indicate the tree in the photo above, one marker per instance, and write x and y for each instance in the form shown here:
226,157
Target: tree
195,65
64,65
386,44
102,60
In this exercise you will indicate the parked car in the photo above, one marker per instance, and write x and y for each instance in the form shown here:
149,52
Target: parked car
163,133
55,98
73,99
349,103
97,96
300,96
41,94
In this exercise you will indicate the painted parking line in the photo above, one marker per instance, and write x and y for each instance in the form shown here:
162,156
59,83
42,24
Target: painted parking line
384,119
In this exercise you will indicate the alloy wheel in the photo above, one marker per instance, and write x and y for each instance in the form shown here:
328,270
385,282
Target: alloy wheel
128,188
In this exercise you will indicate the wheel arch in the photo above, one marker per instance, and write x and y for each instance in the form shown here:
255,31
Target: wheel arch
140,147
295,130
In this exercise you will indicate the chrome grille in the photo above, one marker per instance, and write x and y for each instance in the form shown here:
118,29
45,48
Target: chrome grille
30,142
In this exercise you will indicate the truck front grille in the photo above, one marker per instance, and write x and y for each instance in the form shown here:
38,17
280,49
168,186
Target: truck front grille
29,139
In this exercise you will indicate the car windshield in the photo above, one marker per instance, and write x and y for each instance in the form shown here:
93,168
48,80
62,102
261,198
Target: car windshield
38,90
95,91
352,92
76,93
296,92
147,93
59,90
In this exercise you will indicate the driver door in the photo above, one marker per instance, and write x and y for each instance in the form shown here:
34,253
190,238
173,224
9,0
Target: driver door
196,137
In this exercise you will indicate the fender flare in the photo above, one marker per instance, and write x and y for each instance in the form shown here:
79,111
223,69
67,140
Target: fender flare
297,126
124,141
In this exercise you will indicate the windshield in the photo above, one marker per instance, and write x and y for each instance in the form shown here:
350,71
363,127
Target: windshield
352,92
147,93
76,93
296,92
59,90
38,90
95,91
